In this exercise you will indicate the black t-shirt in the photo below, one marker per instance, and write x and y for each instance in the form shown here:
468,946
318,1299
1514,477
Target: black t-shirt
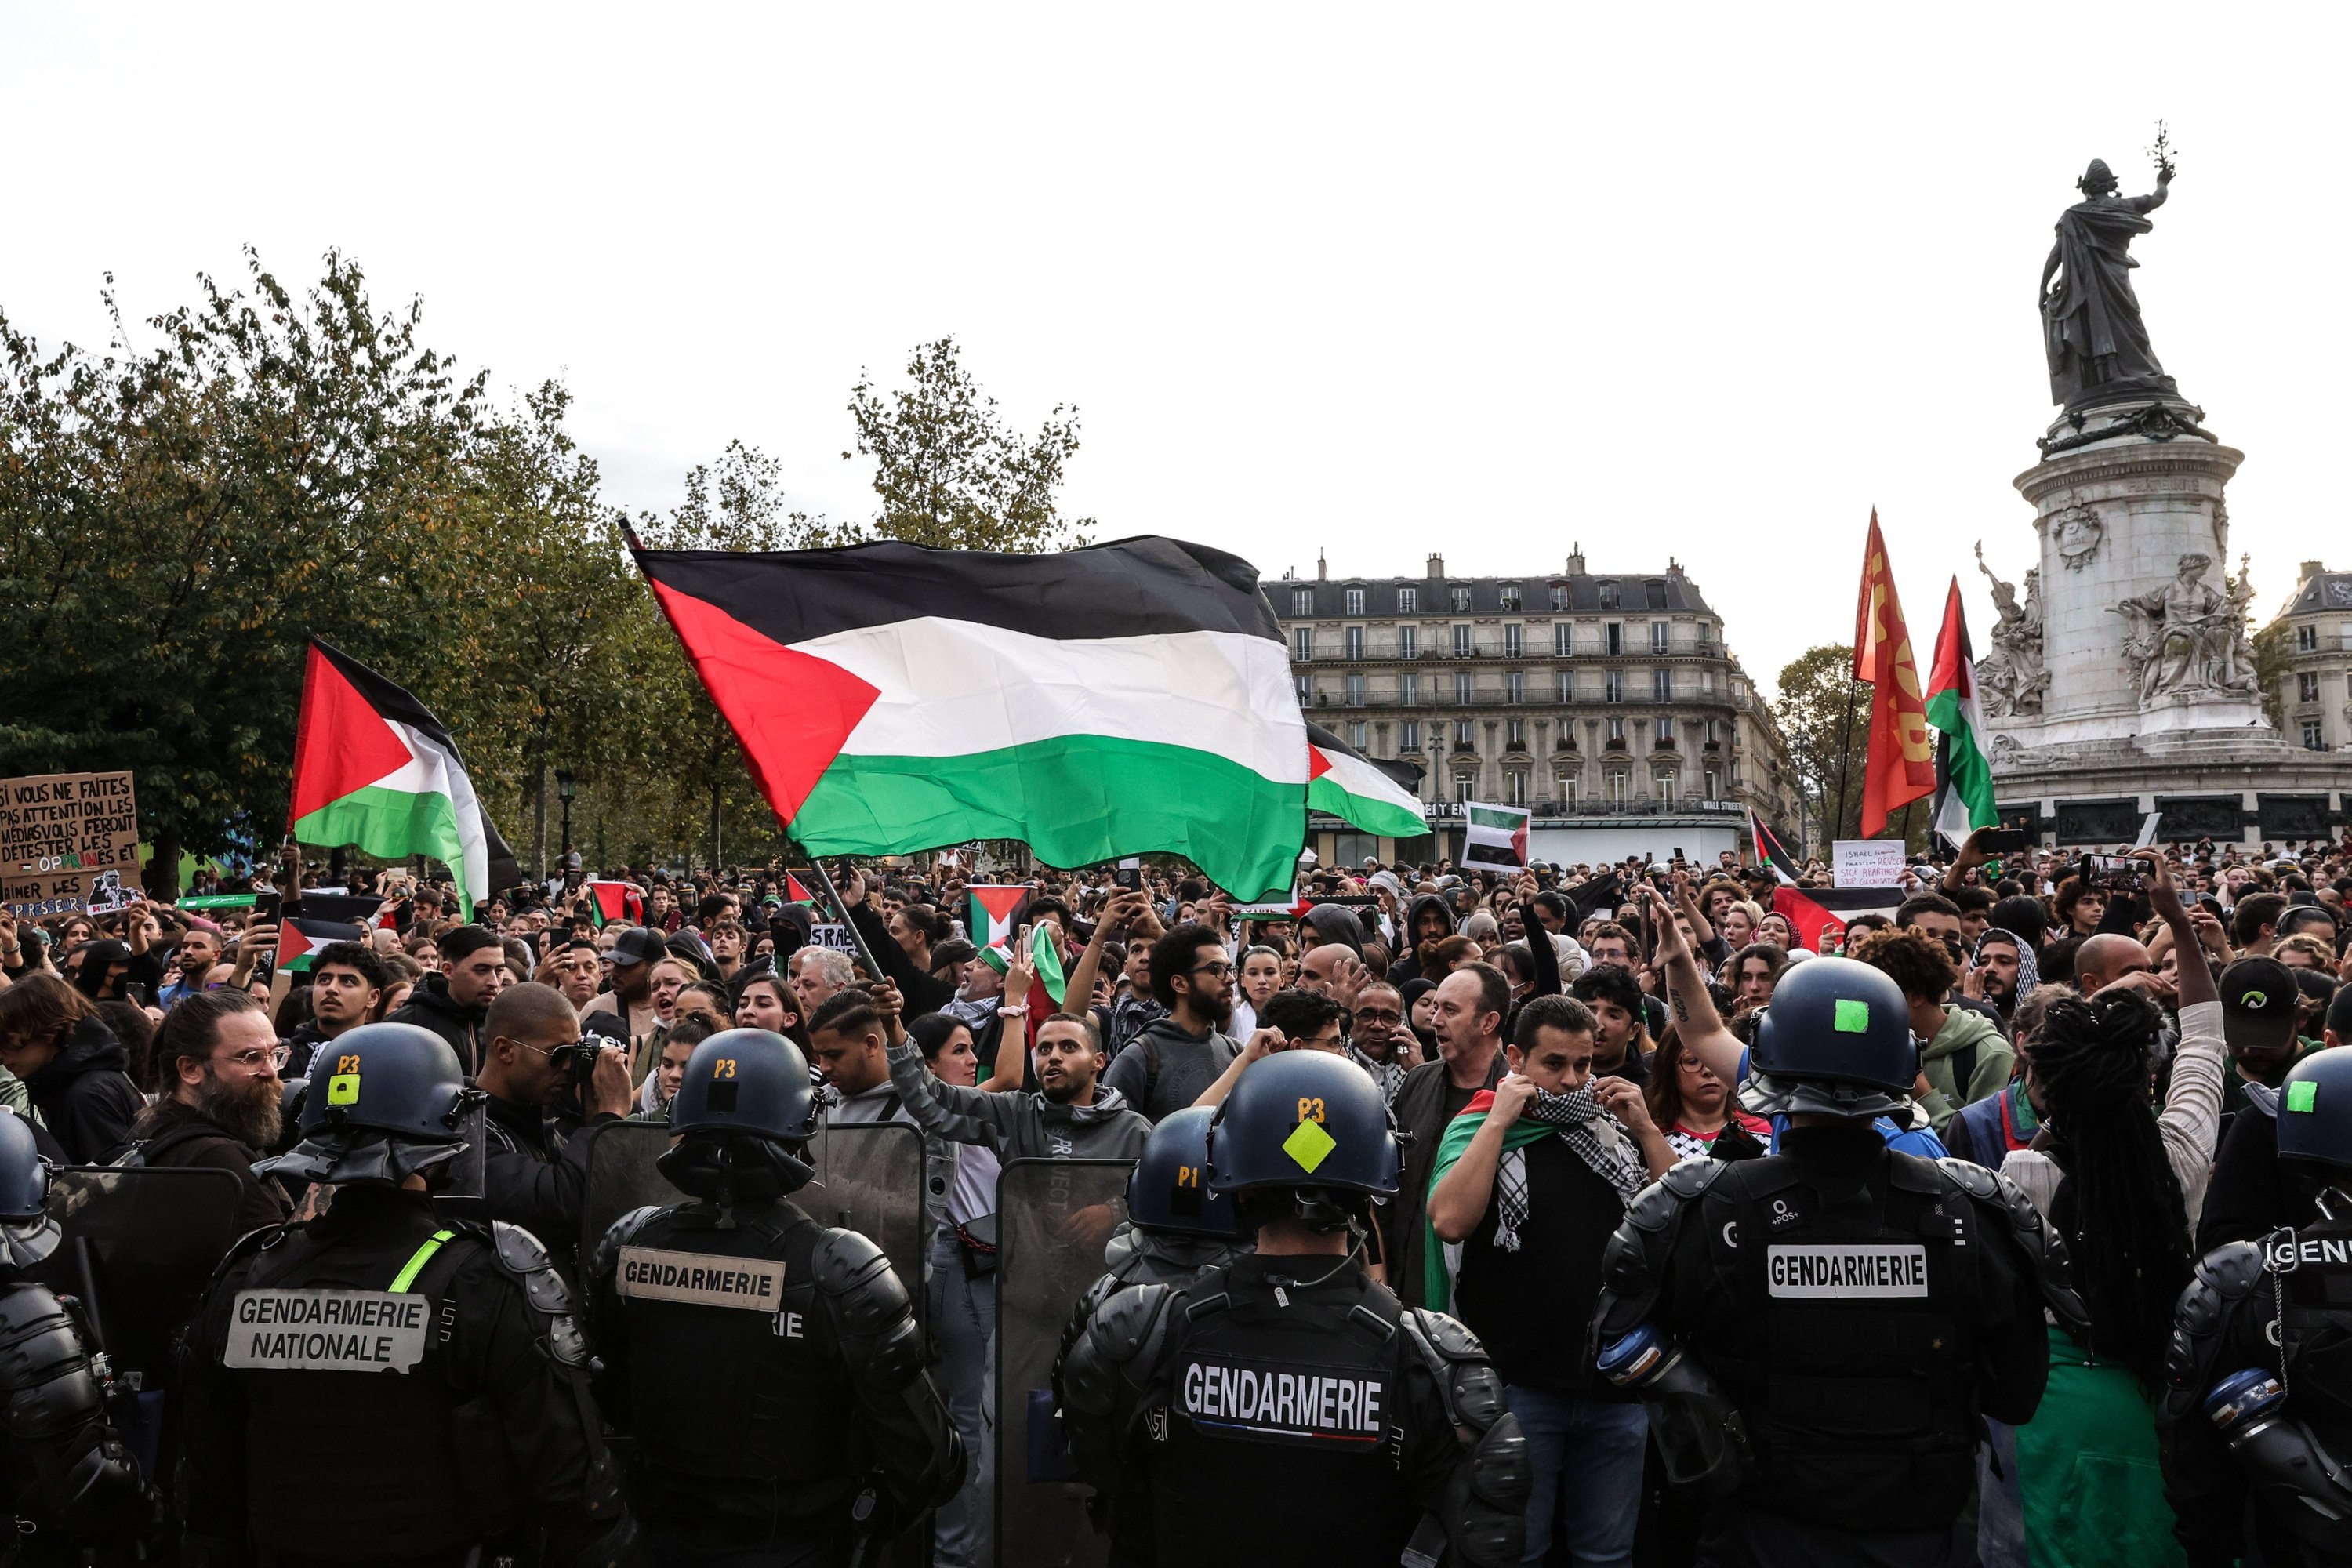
1531,1306
1457,1098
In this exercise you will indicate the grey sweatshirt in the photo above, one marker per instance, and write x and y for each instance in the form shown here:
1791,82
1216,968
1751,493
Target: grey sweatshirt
1017,1126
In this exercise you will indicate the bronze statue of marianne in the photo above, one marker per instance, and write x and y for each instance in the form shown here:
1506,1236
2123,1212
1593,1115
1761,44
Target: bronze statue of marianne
2090,318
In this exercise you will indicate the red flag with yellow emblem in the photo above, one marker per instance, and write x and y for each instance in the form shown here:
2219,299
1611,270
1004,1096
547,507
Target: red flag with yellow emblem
1901,764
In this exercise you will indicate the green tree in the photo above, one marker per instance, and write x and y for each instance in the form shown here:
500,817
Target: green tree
1824,714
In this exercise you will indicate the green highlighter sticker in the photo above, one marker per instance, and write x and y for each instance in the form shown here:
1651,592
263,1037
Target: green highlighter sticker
1309,1145
343,1088
1853,1016
2301,1096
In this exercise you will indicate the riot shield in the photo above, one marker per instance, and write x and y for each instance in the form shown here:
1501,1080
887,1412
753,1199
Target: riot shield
1053,1220
870,1179
140,1245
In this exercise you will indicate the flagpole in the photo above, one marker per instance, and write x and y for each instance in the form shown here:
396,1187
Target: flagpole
856,938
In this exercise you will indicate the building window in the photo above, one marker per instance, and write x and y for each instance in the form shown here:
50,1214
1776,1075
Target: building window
1714,784
1462,642
1510,596
1459,598
2306,639
1706,682
1657,637
1408,689
2311,741
1735,774
1408,601
1666,729
1617,781
1462,736
1305,690
1563,642
2306,686
1516,732
1464,785
1356,736
1614,691
1617,733
1409,736
1302,601
1662,685
1302,642
1462,687
1616,639
1655,589
1512,637
1565,685
1515,788
1515,686
1355,601
1666,785
1559,596
1354,638
1408,642
1355,691
1608,595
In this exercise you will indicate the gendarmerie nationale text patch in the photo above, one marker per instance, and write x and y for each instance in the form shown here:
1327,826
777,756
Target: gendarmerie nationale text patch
701,1279
327,1330
1848,1271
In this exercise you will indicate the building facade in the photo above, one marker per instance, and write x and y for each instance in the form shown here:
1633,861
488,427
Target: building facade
2310,648
1609,705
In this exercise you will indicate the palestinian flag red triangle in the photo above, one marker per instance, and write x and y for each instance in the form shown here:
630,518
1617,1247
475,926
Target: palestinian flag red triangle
794,893
610,902
299,941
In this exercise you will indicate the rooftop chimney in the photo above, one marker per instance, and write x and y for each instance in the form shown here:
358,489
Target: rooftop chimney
2310,569
1576,559
1322,568
1436,566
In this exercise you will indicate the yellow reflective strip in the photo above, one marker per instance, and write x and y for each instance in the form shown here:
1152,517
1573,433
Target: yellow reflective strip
415,1265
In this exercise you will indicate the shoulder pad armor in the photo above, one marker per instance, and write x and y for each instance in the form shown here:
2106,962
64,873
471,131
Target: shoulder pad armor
2225,1275
1120,1344
1632,1266
2232,1270
2005,1200
46,1392
1458,1362
618,1235
517,1254
869,1309
1489,1527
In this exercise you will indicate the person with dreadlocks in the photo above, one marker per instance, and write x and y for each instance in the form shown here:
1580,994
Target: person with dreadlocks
2123,1185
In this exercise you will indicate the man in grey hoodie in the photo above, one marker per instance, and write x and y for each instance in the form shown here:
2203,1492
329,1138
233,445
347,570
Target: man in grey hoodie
1070,1116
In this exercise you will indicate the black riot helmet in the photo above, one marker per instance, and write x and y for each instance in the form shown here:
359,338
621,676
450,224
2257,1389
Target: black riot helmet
744,1113
1169,1188
1304,1120
2314,1111
1836,1041
384,1101
28,1233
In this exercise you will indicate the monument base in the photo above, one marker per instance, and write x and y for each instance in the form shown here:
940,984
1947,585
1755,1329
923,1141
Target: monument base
2234,787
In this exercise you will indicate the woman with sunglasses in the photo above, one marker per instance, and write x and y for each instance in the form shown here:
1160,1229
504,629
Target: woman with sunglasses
1693,1106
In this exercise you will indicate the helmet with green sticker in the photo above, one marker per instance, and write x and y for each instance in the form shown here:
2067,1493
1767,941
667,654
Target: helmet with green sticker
1836,1041
2315,1110
384,1101
1304,1119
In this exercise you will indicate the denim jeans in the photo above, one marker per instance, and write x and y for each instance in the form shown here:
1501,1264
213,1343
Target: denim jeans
963,1324
1586,1456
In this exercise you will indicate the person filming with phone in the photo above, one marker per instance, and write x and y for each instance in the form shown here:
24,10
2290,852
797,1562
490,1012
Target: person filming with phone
549,1092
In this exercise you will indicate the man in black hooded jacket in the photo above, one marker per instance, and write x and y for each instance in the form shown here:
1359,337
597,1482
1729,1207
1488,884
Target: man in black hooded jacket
1426,919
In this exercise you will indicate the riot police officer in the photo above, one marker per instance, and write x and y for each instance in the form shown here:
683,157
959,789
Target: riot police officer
71,1482
2259,1371
1177,1229
769,1368
1818,1332
1285,1407
384,1384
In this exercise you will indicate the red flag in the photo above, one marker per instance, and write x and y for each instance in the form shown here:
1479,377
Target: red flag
1902,765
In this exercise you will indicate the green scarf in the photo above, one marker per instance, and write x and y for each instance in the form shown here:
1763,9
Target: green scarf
1436,1284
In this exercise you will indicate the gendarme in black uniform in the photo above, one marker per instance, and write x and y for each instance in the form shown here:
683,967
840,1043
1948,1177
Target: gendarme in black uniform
1820,1334
2259,1374
769,1368
1285,1408
383,1385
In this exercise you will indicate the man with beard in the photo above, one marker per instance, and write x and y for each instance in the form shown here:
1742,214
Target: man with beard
543,1113
216,1058
193,959
347,981
1176,1058
453,1002
1070,1116
2005,969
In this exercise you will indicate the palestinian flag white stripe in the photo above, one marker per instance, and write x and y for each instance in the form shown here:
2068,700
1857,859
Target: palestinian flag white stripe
1495,836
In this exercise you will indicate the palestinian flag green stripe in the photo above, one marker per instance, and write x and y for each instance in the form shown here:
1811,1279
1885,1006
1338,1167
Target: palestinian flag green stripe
1968,770
389,824
1076,799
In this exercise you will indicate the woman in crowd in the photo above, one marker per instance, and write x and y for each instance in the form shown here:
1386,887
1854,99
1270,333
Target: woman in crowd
1776,929
1261,977
767,1002
660,1086
75,1071
1741,917
1692,1106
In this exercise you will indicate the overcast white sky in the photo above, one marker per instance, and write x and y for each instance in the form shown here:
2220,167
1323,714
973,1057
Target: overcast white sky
1702,280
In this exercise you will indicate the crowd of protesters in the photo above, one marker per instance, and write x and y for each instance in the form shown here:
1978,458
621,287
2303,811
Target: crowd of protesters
2105,1038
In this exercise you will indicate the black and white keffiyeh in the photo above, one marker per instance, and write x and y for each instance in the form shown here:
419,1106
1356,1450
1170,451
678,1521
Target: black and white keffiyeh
1582,1121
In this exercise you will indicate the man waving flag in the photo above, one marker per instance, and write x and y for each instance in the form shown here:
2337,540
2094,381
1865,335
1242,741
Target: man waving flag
1096,704
372,767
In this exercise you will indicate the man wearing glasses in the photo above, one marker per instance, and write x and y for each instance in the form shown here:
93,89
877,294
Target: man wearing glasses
218,1057
543,1112
1174,1059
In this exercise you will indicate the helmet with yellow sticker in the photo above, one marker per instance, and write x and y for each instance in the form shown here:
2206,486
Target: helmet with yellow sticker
744,1113
384,1101
1304,1119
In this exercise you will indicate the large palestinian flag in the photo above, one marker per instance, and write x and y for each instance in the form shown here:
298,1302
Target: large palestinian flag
1094,703
372,767
1820,914
1374,797
1964,792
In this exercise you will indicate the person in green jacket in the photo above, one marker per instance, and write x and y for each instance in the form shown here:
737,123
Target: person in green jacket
1963,1057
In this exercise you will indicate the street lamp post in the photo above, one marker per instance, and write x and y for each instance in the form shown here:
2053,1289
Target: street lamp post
566,786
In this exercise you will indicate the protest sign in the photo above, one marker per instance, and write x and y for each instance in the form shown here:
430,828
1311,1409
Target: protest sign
1866,862
835,937
68,842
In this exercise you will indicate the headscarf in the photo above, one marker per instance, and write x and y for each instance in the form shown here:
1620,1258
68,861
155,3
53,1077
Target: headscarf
2028,971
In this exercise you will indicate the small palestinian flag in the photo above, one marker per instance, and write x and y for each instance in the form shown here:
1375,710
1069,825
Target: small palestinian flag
796,892
372,767
1770,851
1495,837
995,915
1094,703
1820,914
299,941
1374,797
610,902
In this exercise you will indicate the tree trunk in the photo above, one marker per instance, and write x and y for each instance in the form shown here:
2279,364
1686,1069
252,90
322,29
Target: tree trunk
161,877
539,820
715,844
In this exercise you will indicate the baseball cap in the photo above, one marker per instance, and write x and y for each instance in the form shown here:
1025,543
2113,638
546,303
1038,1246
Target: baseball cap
2259,997
639,944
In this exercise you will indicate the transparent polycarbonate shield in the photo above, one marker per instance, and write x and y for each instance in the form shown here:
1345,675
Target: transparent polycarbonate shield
1054,1218
870,1179
138,1246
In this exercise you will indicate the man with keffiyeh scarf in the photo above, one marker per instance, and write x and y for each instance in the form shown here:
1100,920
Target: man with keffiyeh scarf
1531,1180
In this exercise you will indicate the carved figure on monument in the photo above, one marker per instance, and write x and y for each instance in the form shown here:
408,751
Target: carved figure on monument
2182,638
2076,533
2241,648
2091,324
2012,676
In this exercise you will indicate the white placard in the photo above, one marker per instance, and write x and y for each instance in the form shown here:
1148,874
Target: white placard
1866,862
833,936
